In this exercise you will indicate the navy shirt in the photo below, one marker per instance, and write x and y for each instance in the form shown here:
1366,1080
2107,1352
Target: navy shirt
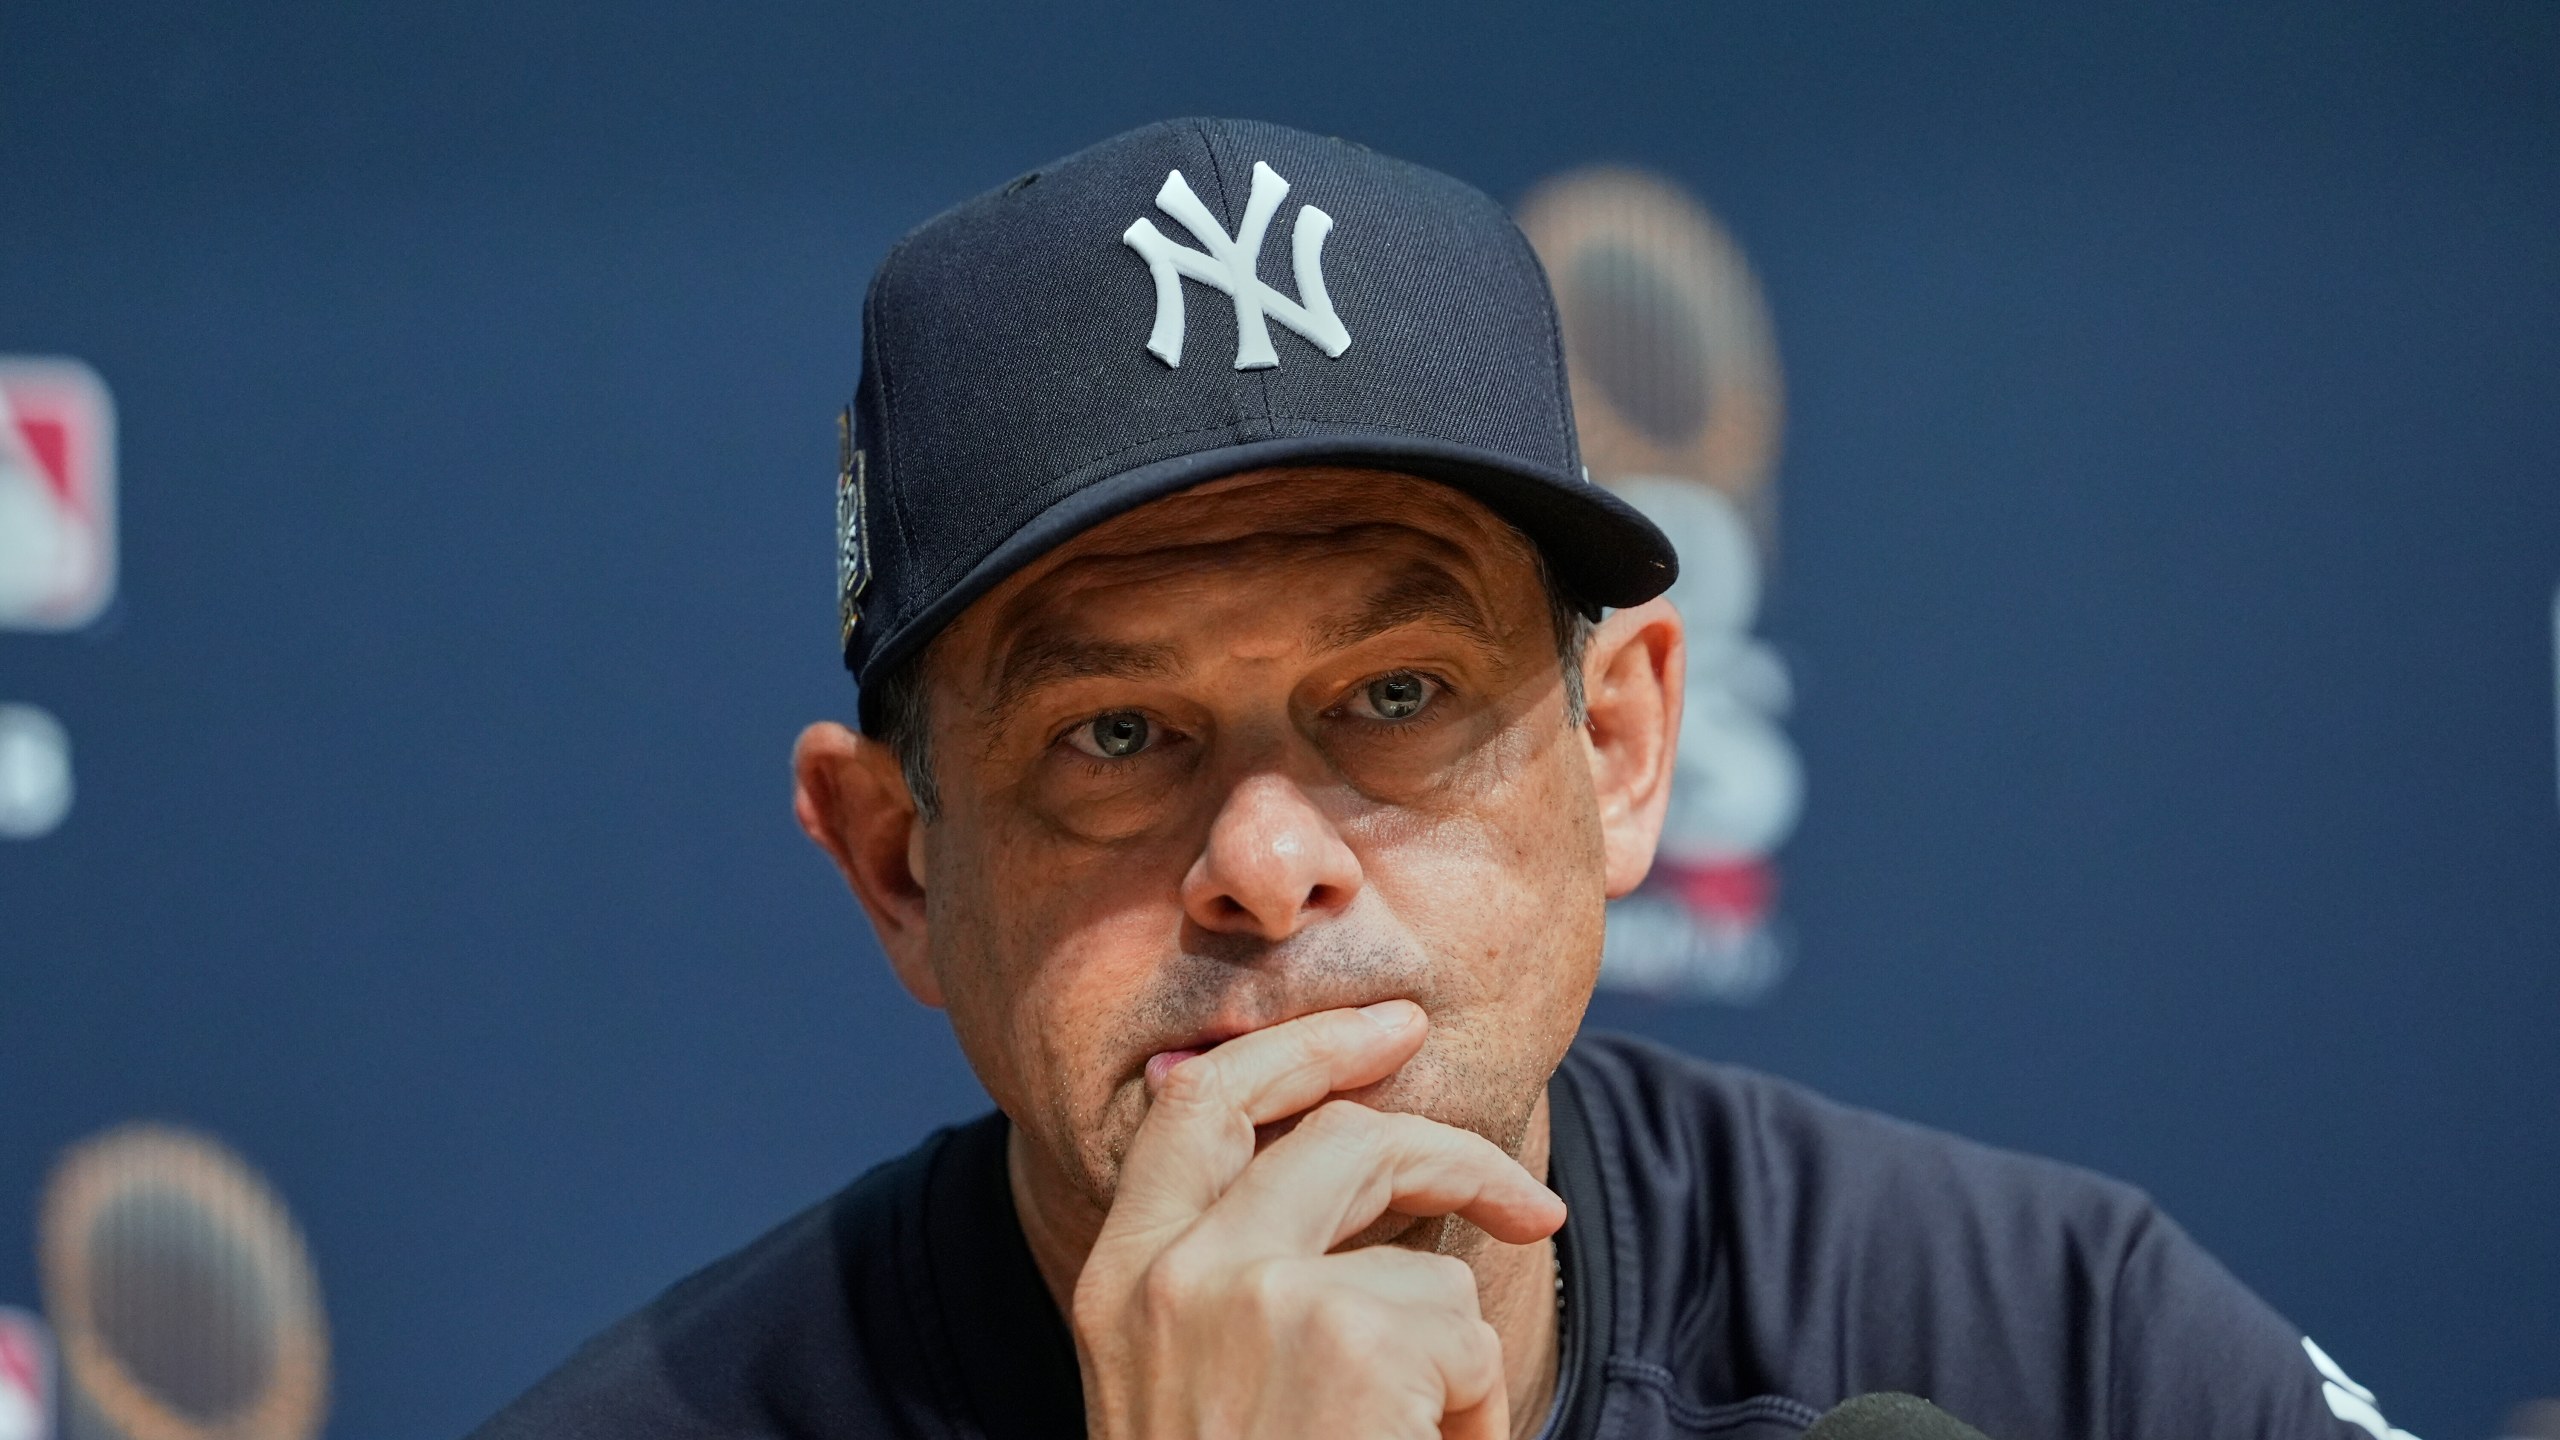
1741,1255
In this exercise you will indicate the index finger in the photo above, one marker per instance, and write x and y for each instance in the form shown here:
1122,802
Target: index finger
1198,1135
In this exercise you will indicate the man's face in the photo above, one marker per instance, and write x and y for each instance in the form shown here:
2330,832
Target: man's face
1286,742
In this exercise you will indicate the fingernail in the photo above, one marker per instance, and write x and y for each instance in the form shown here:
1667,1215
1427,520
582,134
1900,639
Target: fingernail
1390,1014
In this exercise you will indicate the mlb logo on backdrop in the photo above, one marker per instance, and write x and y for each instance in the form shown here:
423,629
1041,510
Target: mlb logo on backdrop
57,495
26,1375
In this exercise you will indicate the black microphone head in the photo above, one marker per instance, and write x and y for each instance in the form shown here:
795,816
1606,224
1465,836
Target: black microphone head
1887,1416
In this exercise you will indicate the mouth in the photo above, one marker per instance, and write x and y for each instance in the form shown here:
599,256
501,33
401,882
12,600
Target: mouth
1162,1062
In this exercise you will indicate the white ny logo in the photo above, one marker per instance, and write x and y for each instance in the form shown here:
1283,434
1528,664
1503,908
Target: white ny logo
1229,266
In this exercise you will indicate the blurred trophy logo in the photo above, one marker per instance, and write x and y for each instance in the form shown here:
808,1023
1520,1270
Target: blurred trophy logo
181,1295
26,1378
1676,395
57,495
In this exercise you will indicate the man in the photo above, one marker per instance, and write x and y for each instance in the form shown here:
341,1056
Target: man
1243,770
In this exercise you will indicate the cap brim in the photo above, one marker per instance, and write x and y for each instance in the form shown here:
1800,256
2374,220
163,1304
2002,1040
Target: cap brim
1602,549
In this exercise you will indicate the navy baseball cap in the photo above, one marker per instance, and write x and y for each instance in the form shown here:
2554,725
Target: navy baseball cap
1184,302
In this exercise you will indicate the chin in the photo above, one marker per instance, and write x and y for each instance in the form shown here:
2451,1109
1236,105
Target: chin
1493,1100
1492,1094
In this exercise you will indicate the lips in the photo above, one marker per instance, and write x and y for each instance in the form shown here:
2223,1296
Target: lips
1161,1064
1232,1026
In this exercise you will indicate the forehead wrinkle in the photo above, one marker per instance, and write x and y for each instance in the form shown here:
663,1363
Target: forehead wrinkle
1046,652
1419,593
1046,655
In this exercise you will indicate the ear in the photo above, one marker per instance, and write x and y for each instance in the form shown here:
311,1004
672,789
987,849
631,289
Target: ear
852,798
1631,679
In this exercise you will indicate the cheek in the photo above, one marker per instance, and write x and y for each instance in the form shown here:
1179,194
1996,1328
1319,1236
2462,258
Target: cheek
1043,958
1509,903
1506,888
1072,1006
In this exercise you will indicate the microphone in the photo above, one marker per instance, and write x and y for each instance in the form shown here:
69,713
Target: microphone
1888,1416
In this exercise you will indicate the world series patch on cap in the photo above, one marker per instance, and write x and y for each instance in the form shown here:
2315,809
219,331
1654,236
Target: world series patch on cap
1188,301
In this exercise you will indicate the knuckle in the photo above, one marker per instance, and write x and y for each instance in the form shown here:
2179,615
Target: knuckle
1197,1084
1455,1279
1348,1326
1345,1122
1407,1413
1097,1293
1172,1283
1086,1319
1270,1290
1310,1044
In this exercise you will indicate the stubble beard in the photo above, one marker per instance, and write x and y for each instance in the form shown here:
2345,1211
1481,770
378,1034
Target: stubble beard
1488,1084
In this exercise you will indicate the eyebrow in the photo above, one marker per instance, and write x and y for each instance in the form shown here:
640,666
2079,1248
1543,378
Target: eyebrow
1419,594
1046,657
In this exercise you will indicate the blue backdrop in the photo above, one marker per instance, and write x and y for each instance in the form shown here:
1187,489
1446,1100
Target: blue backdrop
2169,533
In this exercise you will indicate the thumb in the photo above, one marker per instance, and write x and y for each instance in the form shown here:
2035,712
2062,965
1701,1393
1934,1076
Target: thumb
1487,1419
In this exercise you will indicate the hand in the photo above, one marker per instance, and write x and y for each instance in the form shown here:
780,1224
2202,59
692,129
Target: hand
1210,1305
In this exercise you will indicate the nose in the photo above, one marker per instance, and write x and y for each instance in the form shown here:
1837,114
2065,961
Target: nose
1272,866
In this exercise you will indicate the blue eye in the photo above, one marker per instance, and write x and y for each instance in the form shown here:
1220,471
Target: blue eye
1400,696
1115,736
